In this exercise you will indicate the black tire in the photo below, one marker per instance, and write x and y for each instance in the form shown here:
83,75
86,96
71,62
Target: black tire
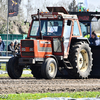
80,57
14,71
36,71
49,68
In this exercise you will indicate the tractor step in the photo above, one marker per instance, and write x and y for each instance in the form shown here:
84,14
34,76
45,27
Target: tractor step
68,64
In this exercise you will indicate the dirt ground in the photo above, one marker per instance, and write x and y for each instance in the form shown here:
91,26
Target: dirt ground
32,85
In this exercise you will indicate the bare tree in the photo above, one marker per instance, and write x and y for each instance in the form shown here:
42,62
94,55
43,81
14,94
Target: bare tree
72,6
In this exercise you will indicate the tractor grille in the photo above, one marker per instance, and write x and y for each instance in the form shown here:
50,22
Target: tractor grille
27,43
27,53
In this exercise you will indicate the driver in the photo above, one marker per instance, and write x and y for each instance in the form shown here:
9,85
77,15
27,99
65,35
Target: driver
54,28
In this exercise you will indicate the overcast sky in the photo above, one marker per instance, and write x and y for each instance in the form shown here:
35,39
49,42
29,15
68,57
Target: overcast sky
93,5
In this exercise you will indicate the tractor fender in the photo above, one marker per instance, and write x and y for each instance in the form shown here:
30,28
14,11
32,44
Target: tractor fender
83,39
52,56
78,39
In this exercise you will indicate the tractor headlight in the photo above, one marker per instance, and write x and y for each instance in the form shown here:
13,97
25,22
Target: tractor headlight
23,49
59,17
31,49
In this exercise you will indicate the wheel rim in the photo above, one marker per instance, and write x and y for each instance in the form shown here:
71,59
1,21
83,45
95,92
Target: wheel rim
51,69
83,60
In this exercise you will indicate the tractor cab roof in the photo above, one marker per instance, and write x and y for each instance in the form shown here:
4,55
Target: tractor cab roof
55,13
57,9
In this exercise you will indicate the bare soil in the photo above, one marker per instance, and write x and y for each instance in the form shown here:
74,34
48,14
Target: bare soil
32,85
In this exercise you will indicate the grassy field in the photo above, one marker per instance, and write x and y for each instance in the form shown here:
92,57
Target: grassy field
23,75
3,67
36,96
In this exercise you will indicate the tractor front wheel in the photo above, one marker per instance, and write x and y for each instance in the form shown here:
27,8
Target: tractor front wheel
49,68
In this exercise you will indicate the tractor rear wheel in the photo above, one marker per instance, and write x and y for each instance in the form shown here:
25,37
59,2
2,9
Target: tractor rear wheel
49,68
13,69
80,57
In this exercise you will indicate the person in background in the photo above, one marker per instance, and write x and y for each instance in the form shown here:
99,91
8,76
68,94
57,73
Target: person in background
11,48
93,39
17,48
15,43
2,46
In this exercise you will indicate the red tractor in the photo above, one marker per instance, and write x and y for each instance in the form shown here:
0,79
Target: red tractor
54,43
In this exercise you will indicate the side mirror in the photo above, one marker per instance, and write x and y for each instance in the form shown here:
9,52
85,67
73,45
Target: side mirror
62,39
69,22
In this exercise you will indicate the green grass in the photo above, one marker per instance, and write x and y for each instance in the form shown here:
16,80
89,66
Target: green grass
3,66
36,96
3,75
23,75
